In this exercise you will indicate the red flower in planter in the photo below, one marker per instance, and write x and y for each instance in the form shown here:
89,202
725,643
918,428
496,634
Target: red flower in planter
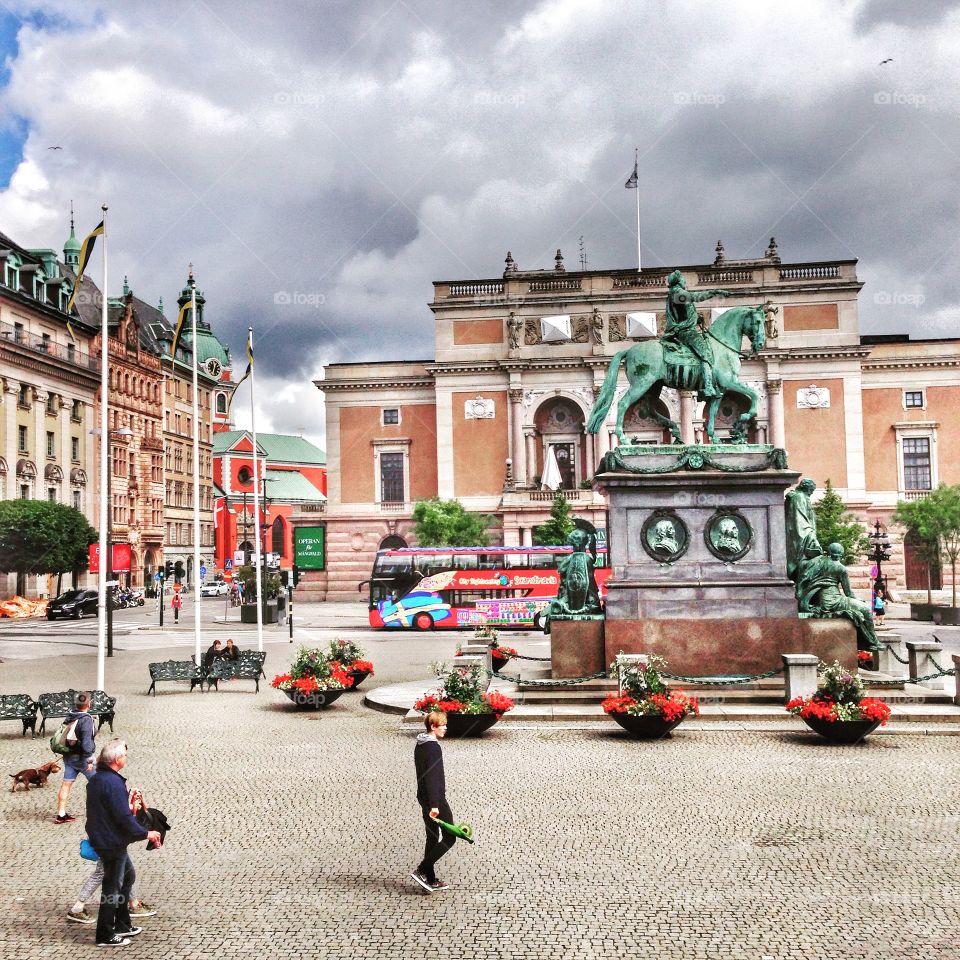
873,709
864,656
498,702
615,704
360,666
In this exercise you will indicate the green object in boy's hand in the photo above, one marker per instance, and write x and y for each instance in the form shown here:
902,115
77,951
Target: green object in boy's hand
462,830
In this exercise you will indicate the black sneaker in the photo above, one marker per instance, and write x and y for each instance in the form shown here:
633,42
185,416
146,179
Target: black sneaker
132,932
439,884
419,878
114,941
66,818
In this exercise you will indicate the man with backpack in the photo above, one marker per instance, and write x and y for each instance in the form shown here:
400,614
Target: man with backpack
77,735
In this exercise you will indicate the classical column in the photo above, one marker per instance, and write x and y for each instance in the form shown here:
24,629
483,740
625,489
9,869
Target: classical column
687,407
590,465
528,536
11,453
66,460
40,449
91,502
775,400
529,436
518,452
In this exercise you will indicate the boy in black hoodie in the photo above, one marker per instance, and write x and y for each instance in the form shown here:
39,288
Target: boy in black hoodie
431,795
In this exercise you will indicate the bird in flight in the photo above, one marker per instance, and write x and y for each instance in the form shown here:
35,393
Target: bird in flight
888,60
54,148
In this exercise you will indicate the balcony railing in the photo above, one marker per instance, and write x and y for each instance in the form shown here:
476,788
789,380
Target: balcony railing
826,271
395,506
65,352
910,495
555,285
312,507
549,495
482,288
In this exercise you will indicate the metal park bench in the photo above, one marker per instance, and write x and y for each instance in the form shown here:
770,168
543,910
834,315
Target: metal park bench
60,704
22,707
175,670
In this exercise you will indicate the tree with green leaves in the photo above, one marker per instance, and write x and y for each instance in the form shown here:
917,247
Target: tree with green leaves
444,523
935,520
560,525
37,536
835,524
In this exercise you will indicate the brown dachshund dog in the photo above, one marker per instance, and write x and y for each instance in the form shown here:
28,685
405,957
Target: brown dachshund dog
36,777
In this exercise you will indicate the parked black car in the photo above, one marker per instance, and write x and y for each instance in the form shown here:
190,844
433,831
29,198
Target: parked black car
73,603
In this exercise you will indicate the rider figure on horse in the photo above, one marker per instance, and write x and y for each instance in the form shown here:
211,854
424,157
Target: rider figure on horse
685,326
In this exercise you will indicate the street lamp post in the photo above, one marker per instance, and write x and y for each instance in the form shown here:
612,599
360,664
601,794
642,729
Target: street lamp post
880,542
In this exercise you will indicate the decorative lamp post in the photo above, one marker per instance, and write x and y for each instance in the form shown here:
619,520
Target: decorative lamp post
880,542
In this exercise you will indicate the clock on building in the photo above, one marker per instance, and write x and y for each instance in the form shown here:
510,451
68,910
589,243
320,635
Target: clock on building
214,367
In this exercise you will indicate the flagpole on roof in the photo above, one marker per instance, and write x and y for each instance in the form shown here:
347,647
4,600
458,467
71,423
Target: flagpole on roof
258,559
105,505
196,471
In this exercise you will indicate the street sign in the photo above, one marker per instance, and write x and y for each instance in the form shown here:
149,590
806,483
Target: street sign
228,564
158,577
238,557
203,571
121,558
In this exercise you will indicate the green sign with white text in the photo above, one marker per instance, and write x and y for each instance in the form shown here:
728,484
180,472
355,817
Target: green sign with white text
309,550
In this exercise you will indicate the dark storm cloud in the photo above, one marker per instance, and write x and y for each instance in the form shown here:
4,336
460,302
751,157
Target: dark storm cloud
916,13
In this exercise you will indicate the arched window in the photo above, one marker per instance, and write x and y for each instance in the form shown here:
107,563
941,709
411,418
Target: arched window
221,403
279,529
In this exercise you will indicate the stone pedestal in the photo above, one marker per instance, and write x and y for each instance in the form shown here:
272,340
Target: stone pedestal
956,666
921,653
886,661
799,675
697,543
577,647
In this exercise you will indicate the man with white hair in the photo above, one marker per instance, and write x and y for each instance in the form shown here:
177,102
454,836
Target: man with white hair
111,827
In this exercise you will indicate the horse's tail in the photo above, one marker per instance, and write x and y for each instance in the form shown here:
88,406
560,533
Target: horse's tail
602,404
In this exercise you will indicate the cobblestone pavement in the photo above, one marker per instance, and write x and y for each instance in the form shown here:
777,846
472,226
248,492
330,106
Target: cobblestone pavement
294,833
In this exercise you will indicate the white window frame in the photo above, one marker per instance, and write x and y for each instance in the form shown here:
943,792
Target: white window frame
918,430
923,393
383,422
399,445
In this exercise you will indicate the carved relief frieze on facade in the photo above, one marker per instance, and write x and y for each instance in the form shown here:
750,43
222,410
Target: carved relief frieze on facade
617,327
582,326
813,397
480,408
531,335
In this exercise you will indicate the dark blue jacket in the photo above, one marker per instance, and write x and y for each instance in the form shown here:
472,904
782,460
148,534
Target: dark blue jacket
110,824
85,746
431,783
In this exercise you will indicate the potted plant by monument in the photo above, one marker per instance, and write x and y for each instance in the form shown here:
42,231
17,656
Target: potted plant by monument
838,710
272,587
470,711
350,657
313,681
644,706
933,522
501,655
865,659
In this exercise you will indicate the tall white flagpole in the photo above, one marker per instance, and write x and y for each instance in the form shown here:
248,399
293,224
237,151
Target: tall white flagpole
258,559
105,505
196,472
636,161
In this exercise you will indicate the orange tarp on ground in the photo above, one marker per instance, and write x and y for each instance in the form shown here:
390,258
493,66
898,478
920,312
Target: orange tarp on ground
17,607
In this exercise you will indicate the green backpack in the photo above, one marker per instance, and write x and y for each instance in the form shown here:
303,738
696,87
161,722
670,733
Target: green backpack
64,741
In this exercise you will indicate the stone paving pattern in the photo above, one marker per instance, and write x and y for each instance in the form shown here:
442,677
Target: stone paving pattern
294,833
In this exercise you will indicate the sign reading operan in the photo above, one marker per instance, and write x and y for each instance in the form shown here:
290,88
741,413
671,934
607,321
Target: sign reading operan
309,547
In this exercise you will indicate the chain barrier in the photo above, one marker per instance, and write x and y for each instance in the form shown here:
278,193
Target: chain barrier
943,673
520,656
600,675
722,681
896,656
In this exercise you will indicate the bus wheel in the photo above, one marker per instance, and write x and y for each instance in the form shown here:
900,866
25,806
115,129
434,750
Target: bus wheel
423,621
538,620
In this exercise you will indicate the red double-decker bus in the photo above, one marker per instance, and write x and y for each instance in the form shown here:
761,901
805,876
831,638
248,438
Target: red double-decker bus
467,587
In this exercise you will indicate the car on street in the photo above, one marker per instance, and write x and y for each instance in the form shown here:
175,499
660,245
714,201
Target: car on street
73,603
218,589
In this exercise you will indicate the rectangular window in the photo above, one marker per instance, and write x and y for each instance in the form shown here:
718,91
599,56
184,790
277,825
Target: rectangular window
76,500
52,494
24,397
51,403
22,439
24,492
51,444
71,353
77,412
75,449
391,416
913,398
391,478
916,463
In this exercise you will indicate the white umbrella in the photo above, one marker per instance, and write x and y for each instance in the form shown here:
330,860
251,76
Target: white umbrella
551,478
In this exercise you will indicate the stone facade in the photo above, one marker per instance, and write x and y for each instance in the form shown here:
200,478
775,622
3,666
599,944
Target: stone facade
401,431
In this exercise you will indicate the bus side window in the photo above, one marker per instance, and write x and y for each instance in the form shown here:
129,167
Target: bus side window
542,560
466,561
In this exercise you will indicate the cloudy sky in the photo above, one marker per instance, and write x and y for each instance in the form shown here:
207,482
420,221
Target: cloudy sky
322,162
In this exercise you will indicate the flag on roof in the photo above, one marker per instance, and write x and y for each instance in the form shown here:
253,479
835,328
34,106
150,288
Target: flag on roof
86,251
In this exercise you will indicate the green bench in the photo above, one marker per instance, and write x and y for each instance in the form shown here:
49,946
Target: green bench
175,670
62,703
22,707
248,666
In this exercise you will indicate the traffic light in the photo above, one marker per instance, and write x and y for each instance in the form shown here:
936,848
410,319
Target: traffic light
168,570
296,574
178,570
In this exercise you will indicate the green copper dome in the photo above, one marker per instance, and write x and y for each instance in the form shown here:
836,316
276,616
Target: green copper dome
207,346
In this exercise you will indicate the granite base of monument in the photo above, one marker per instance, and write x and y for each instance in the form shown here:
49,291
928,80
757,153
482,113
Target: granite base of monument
577,647
696,647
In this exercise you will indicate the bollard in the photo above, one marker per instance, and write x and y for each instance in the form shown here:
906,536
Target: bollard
956,677
477,650
468,662
890,643
920,653
799,675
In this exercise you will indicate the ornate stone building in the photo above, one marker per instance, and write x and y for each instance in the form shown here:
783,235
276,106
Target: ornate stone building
519,359
49,383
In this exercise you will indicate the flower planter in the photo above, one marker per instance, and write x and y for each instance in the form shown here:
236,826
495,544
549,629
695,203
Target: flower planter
358,677
946,616
248,612
921,611
500,662
469,724
317,700
646,726
842,731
